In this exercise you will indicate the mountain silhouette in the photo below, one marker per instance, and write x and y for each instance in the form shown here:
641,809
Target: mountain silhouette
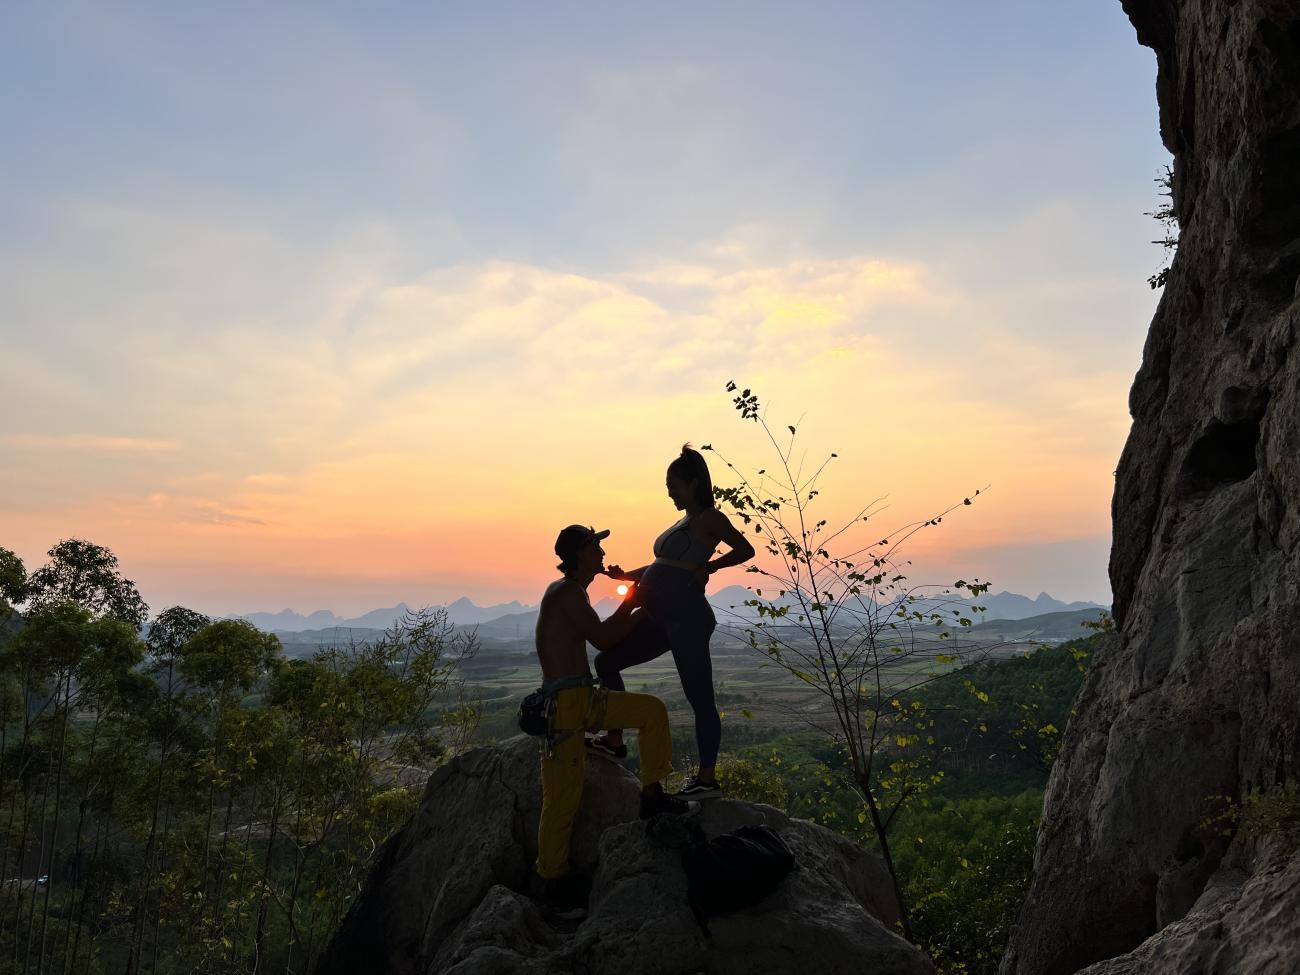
730,603
461,613
514,617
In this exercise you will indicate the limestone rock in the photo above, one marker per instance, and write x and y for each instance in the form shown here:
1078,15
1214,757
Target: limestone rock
1198,692
447,892
476,828
1252,925
504,935
639,923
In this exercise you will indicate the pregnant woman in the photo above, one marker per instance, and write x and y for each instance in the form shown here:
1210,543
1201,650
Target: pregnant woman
671,589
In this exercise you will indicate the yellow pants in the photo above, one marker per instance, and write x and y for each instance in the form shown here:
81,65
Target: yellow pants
563,771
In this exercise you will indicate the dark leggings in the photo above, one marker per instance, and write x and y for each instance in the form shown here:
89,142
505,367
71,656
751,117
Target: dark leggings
687,636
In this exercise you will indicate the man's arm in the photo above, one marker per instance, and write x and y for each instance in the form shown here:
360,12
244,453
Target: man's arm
601,634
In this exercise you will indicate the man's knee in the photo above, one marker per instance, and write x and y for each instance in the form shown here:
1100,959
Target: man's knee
639,710
657,711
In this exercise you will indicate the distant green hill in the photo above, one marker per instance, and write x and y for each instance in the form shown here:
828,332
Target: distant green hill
304,643
1049,628
1003,716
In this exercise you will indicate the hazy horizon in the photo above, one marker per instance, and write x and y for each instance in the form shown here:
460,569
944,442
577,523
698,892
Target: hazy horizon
524,605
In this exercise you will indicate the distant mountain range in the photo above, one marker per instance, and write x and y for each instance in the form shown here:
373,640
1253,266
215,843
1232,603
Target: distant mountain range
506,620
1013,606
462,613
1002,606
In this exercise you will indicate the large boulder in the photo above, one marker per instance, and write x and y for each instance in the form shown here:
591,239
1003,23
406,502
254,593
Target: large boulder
1242,922
448,892
1197,694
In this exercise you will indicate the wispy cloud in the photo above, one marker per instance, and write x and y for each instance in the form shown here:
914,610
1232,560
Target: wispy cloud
79,441
216,516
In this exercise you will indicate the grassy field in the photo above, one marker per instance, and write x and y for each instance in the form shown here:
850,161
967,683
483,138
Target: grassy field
744,681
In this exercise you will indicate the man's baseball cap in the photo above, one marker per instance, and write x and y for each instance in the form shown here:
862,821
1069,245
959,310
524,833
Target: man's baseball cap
574,539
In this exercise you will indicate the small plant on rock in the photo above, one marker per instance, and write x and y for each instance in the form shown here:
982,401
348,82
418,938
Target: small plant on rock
839,614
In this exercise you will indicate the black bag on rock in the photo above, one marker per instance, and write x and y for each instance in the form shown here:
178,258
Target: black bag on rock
735,870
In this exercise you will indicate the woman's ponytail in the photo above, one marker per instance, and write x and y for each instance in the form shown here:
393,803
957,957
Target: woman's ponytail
690,465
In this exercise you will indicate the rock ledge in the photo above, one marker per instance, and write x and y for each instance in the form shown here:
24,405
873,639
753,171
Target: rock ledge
448,892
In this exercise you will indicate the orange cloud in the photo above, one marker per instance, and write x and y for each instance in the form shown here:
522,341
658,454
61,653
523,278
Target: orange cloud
444,428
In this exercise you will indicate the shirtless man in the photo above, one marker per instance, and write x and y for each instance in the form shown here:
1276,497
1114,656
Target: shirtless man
566,623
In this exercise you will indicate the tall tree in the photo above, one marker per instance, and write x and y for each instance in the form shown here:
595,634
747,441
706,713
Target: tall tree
221,665
86,664
86,575
13,583
168,636
13,589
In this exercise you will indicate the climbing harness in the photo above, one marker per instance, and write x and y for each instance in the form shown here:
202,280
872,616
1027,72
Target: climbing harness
537,711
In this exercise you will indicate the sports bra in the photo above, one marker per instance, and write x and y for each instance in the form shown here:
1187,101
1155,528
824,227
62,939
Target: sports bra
679,544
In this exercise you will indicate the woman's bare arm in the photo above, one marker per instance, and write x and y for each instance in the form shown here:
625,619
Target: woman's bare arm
739,549
627,575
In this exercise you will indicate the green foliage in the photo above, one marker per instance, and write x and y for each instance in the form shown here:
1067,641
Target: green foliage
13,582
964,860
964,850
751,781
936,842
200,803
170,632
1105,623
1262,812
1003,715
1274,812
86,575
962,915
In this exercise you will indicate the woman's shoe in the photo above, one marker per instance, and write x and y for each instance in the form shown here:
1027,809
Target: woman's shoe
693,788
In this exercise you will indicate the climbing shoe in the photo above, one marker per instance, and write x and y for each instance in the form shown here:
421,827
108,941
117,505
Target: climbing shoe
693,788
661,803
601,746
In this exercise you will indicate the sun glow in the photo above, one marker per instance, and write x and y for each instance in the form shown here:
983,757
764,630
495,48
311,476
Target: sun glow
622,589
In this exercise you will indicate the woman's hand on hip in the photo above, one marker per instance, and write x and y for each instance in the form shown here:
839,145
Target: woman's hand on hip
701,576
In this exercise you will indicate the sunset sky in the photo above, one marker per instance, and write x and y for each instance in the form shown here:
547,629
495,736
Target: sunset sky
332,306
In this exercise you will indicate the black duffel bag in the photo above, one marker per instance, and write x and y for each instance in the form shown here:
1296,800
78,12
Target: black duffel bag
735,870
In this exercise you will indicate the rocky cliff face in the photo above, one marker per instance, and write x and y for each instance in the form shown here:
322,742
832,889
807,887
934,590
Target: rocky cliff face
1199,691
447,892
